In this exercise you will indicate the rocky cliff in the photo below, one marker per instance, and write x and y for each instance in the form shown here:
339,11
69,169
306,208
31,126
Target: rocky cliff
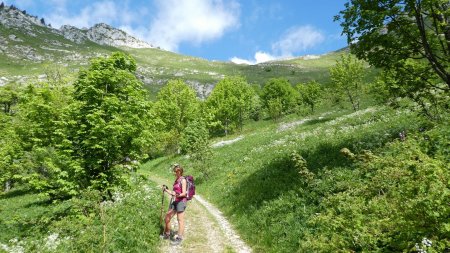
103,34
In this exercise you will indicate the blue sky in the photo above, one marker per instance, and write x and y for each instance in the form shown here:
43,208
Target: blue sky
244,31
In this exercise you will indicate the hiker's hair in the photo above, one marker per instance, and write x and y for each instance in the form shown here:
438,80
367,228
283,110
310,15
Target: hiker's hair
178,167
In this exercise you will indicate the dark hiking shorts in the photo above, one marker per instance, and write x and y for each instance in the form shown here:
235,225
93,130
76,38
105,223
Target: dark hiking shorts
178,206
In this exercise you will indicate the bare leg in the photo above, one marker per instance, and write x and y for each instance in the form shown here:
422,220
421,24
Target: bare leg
180,217
169,216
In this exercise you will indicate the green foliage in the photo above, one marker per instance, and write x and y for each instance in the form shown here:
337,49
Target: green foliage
30,127
398,202
309,94
336,183
127,223
278,92
41,109
431,100
10,152
106,122
8,97
195,142
301,165
177,105
275,108
49,171
408,38
346,79
230,103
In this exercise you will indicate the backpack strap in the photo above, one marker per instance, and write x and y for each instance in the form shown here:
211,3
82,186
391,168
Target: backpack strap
181,185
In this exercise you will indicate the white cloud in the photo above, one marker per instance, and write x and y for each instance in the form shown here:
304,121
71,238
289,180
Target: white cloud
108,12
238,60
259,57
193,21
294,40
264,57
298,39
98,12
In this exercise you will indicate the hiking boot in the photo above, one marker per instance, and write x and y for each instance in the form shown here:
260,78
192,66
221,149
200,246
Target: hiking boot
165,236
176,241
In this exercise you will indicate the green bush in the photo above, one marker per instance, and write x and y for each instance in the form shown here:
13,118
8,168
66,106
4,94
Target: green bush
397,200
128,223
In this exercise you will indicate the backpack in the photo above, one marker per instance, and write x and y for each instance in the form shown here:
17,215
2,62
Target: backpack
190,187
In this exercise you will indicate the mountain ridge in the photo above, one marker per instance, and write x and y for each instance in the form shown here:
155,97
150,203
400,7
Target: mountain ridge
101,33
29,48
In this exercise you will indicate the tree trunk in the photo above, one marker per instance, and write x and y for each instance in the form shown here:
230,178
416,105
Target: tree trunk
352,100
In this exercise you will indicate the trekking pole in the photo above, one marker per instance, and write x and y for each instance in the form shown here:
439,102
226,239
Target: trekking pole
162,206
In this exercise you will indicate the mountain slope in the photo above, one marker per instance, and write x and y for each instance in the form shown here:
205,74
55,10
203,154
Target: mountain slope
28,47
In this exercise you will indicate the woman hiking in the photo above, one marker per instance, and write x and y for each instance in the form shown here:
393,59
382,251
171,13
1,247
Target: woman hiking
177,204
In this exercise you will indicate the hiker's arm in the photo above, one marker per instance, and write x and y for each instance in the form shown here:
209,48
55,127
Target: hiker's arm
169,192
183,188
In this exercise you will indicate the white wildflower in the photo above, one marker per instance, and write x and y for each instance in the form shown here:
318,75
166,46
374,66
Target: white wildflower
52,241
427,242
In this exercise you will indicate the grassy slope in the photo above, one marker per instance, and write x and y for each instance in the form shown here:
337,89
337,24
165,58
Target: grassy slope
255,182
169,65
60,54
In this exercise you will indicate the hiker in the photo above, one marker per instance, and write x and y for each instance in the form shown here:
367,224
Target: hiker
177,204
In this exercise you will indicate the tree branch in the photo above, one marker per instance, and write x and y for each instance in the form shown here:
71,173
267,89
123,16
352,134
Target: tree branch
435,64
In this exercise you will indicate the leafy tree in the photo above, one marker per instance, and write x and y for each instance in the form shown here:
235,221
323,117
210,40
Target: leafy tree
256,110
390,86
2,6
38,118
195,142
105,124
231,102
411,38
9,96
309,94
10,151
30,125
176,106
275,108
39,111
346,77
279,92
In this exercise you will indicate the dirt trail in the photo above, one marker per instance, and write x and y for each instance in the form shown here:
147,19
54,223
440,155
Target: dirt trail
207,230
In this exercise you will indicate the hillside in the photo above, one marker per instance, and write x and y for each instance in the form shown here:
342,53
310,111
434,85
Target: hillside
333,182
29,48
345,166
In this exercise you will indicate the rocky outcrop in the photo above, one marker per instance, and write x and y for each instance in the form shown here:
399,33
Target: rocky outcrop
103,34
12,17
74,34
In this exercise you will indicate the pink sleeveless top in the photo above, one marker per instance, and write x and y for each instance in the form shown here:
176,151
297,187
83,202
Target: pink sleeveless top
178,190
